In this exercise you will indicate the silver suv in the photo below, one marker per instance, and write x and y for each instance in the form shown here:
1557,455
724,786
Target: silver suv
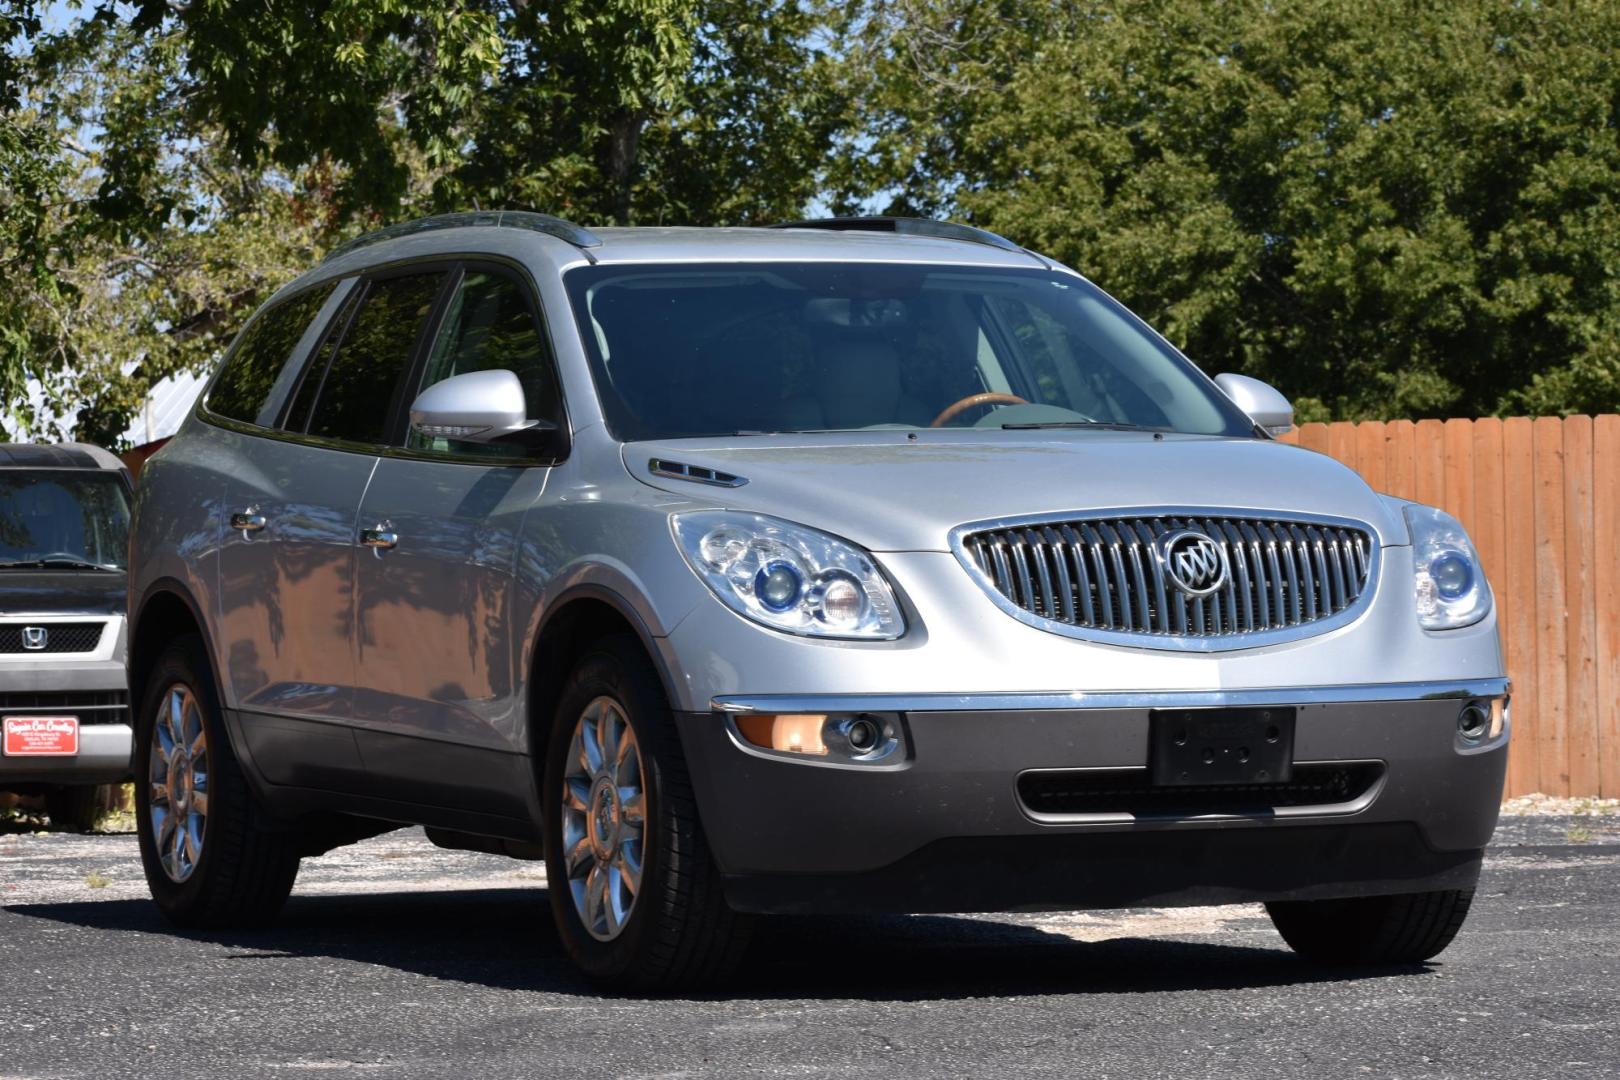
865,565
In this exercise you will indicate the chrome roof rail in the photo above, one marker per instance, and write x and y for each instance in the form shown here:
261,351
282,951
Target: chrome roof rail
510,219
908,226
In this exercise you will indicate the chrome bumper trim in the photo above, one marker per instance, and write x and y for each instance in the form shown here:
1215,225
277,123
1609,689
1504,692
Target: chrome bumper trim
1110,699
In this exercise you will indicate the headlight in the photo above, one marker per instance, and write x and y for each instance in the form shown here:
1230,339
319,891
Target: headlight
789,577
1451,590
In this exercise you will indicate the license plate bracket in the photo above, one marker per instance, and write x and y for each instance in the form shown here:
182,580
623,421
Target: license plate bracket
40,736
1189,747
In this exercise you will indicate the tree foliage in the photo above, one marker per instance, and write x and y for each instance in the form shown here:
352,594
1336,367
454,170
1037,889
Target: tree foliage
1386,209
165,166
697,111
141,241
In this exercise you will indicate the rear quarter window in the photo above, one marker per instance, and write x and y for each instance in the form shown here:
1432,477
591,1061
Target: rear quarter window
242,391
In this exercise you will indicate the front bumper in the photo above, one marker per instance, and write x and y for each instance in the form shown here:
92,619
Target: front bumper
947,830
103,758
94,691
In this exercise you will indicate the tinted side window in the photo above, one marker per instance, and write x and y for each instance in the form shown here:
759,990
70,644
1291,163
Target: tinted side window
241,390
303,399
356,394
488,326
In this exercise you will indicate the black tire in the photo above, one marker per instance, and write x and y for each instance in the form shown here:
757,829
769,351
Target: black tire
246,866
680,933
77,808
1406,928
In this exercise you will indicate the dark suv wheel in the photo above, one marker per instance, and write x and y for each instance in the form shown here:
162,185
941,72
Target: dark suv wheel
78,807
210,856
1406,928
634,891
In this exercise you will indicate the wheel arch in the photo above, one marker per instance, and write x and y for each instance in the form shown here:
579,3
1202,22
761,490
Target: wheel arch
584,614
166,611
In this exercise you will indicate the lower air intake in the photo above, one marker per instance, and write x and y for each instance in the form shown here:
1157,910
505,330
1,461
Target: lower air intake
1127,791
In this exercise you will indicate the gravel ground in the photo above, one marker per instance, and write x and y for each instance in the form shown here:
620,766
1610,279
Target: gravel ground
1583,806
398,959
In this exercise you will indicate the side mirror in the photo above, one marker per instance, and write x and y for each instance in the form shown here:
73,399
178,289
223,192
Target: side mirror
478,407
1263,404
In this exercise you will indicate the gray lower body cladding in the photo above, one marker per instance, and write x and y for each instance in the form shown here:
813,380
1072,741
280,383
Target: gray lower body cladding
959,827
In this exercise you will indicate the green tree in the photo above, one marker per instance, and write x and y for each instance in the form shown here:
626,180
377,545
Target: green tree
32,181
166,166
134,242
1386,209
682,111
716,115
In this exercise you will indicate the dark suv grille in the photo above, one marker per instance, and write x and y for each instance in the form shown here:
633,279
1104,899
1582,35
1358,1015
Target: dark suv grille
1127,791
90,706
1107,573
59,638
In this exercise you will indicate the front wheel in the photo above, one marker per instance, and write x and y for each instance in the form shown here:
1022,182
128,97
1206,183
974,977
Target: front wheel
76,808
1406,928
634,891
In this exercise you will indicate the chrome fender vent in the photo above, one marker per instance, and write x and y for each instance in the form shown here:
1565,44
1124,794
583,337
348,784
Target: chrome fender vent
698,474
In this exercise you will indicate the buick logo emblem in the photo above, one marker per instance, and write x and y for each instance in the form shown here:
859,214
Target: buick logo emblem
35,637
1193,562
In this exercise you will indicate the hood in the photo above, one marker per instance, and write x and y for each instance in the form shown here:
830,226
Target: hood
65,592
899,491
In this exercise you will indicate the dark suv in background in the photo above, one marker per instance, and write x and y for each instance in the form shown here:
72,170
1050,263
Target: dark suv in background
64,538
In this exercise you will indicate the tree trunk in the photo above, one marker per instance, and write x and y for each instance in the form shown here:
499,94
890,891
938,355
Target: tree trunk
624,144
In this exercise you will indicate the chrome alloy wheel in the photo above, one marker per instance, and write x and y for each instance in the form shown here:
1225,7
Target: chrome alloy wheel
178,781
603,818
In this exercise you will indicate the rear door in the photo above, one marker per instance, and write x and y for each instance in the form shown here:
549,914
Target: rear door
438,680
287,570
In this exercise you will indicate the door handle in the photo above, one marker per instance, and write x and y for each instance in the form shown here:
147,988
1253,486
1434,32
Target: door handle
249,520
379,536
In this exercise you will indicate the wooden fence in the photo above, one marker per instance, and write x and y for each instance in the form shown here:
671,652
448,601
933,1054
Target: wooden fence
1541,499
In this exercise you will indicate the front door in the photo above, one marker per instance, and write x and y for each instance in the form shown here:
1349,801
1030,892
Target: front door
439,678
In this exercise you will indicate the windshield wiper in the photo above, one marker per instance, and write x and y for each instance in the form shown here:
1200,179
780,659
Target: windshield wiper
57,564
1103,425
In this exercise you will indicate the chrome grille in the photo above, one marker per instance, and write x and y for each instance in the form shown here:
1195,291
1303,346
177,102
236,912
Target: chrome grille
59,638
1106,574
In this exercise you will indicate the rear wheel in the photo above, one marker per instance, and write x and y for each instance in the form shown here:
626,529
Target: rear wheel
77,808
212,858
1406,928
634,890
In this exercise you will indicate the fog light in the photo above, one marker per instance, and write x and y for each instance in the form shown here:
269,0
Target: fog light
837,738
1474,722
797,733
864,734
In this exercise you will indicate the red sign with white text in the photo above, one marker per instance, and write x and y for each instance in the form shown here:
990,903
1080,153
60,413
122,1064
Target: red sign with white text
41,736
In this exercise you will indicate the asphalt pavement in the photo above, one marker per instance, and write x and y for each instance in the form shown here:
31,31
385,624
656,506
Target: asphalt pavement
397,959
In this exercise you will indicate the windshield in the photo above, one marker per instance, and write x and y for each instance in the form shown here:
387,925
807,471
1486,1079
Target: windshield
717,349
62,519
